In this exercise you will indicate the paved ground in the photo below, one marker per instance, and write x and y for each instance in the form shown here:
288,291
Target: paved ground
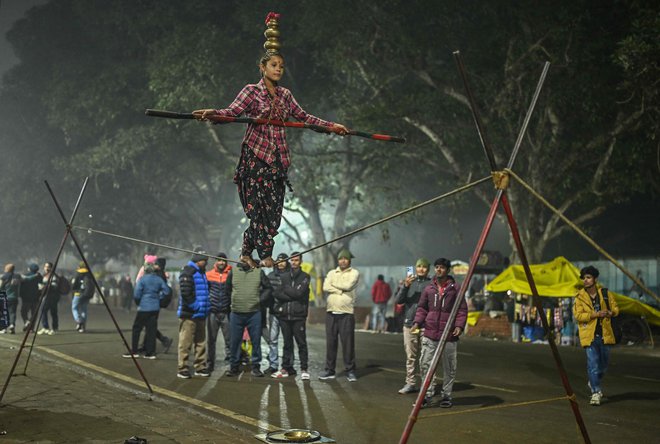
79,389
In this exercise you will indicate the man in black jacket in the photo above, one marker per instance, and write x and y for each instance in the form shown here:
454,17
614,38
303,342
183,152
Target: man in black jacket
83,289
291,305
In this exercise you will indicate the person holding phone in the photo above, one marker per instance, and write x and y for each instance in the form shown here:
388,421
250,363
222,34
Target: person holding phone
408,295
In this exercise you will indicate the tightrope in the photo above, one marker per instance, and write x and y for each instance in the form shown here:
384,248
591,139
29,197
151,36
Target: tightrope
343,236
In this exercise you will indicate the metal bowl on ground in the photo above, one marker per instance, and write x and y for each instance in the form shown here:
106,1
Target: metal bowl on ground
293,435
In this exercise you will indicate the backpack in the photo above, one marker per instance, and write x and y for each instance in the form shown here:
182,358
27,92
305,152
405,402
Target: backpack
63,286
617,327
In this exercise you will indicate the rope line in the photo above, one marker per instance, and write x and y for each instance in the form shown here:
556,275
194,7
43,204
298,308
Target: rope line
400,213
351,233
132,239
582,233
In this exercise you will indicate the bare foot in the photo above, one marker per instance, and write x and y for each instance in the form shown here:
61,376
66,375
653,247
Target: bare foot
267,262
248,260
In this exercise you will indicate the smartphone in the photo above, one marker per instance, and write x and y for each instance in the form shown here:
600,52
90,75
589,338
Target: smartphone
410,271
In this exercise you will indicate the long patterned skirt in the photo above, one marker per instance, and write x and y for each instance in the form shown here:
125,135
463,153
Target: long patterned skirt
261,188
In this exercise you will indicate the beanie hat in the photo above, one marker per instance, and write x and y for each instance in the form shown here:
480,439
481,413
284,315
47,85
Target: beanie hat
150,258
33,267
345,254
222,255
199,255
422,262
282,256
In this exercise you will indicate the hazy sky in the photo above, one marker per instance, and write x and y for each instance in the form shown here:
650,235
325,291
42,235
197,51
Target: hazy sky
10,11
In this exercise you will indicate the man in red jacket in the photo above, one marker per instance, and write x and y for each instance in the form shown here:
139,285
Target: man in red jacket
433,310
380,294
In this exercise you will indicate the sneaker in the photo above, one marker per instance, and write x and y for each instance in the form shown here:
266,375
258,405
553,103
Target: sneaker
43,331
351,377
183,374
270,371
12,329
257,373
280,374
408,388
202,373
130,355
152,357
595,398
26,326
167,343
3,331
50,332
304,375
326,374
446,403
232,372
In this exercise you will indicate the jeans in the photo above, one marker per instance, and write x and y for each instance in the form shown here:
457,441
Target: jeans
238,322
272,336
598,356
378,317
79,309
50,306
449,362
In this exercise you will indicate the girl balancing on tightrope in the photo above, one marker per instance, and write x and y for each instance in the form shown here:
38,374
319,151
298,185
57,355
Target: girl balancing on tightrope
261,173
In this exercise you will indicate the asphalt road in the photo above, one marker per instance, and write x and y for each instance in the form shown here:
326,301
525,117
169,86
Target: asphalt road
78,388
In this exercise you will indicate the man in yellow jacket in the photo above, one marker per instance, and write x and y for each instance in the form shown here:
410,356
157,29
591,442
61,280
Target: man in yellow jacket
593,311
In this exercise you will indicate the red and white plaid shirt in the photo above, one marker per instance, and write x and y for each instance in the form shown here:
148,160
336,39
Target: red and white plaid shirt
255,101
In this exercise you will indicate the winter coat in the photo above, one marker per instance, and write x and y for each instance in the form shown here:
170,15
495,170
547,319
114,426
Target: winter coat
11,283
434,308
292,296
82,285
582,310
149,291
219,289
381,292
275,278
53,290
250,290
409,297
194,289
29,291
340,286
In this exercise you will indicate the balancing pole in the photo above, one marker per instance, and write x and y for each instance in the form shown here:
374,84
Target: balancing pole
260,121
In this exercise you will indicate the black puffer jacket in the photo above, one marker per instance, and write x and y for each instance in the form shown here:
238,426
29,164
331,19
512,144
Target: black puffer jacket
292,297
409,296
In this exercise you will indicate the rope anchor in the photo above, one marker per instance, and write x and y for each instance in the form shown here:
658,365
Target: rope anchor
500,179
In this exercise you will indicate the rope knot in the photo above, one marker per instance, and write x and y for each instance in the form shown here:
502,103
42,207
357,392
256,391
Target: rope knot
500,179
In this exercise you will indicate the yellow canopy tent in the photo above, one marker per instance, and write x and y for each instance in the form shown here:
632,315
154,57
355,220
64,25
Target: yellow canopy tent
559,278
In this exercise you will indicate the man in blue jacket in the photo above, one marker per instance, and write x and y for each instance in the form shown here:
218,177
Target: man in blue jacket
192,312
